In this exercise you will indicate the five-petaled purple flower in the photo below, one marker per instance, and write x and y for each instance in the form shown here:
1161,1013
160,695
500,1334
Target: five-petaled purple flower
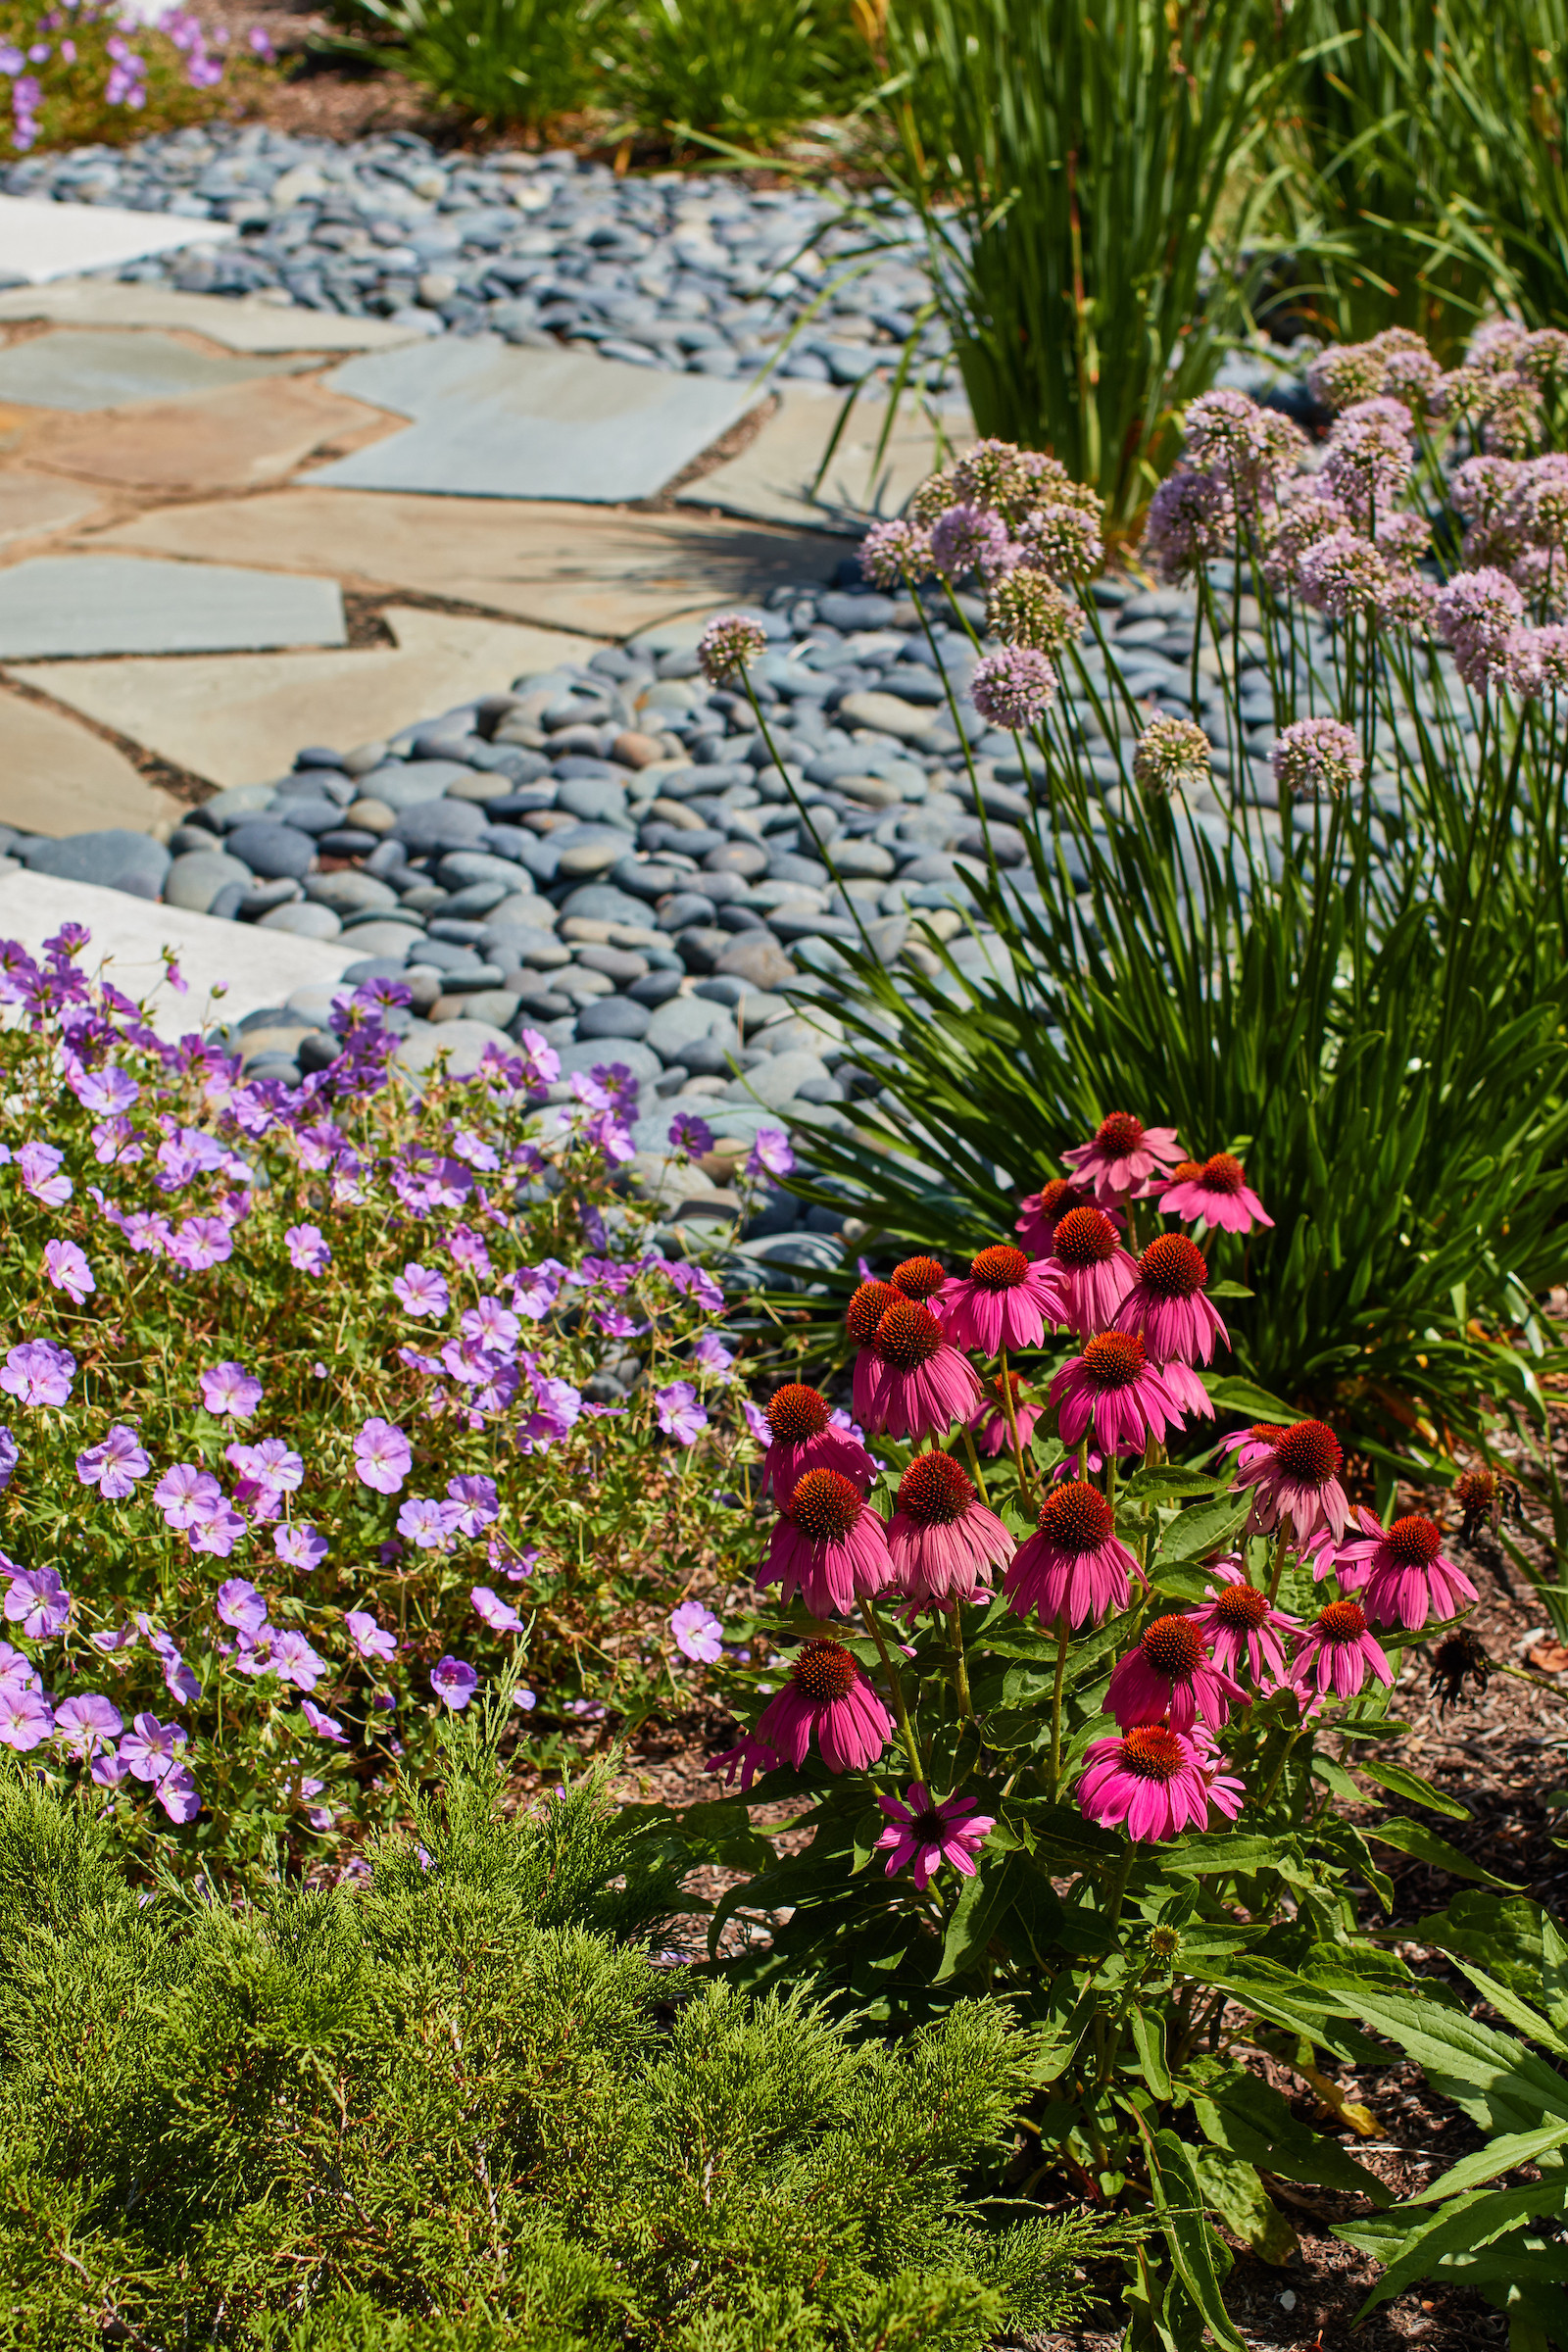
368,1638
420,1291
114,1464
67,1269
690,1133
453,1682
88,1724
680,1416
240,1605
38,1164
38,1373
499,1615
698,1633
308,1249
300,1545
426,1522
39,1602
770,1154
230,1388
382,1457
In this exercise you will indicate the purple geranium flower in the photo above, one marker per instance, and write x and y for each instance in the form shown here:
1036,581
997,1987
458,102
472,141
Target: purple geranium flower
88,1724
453,1682
107,1093
698,1633
491,1325
9,1456
39,1602
150,1747
240,1605
300,1545
178,1679
308,1251
424,1521
326,1727
37,1163
38,1373
690,1133
201,1242
382,1457
25,1719
711,1354
770,1154
558,1406
476,1502
230,1388
680,1416
114,1464
498,1614
295,1661
177,1793
187,1496
67,1269
218,1533
367,1637
421,1291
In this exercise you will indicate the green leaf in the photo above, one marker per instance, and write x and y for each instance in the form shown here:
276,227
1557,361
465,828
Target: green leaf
1501,2155
1179,2202
1233,2190
975,1916
1464,2227
1149,2040
1414,1837
1220,1850
1193,1534
1411,1785
1445,2042
1232,1395
1247,2117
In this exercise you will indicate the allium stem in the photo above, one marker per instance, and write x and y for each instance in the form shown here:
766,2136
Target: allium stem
900,1712
803,813
1012,1411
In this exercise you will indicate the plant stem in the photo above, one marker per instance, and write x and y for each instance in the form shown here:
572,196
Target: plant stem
960,1671
899,1709
1012,1411
975,1463
1278,1568
1063,1633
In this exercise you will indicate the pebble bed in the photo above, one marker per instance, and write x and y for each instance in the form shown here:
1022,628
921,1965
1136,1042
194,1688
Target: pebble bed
674,271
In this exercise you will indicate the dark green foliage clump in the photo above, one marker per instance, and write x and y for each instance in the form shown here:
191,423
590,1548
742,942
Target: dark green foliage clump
460,2110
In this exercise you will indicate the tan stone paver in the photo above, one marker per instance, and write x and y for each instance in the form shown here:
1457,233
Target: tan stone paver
772,479
239,718
242,438
31,505
57,778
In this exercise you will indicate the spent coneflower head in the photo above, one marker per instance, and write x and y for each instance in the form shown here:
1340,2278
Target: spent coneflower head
826,1697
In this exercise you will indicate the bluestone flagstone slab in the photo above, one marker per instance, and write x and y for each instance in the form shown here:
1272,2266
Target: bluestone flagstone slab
87,605
39,241
82,369
494,422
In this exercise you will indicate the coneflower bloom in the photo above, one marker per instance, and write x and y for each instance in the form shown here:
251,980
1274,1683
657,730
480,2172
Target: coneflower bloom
1005,1301
989,1420
1114,1388
1242,1626
1253,1443
941,1538
1153,1783
829,1546
867,1307
1298,1477
1215,1191
747,1757
922,1835
919,1278
1170,1675
828,1697
1072,1565
1040,1213
1123,1156
1400,1575
1167,1305
923,1385
804,1439
1090,1270
1337,1653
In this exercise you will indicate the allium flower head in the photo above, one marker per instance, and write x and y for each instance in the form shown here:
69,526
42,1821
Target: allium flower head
967,538
922,1835
1005,1301
922,1385
1241,1627
895,554
728,646
1170,1675
1343,575
1089,1270
1296,1475
1113,1389
1337,1653
1191,520
942,1539
1212,1192
1155,1782
989,474
829,1546
801,1437
1073,1565
1222,433
828,1698
1125,1158
1172,754
1478,613
1026,608
1013,689
1400,1574
1369,459
1062,541
1316,758
1348,372
1166,1304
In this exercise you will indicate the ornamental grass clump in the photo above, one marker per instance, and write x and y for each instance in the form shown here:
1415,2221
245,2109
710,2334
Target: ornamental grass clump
324,1405
1081,1725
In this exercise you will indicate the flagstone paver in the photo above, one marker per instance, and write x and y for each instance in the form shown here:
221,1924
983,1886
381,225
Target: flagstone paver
241,438
229,969
494,422
772,479
40,240
32,504
87,367
566,567
57,778
240,718
88,605
250,322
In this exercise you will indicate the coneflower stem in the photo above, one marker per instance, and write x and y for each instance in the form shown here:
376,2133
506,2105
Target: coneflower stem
961,1670
900,1710
975,1463
1063,1632
1010,1409
1278,1569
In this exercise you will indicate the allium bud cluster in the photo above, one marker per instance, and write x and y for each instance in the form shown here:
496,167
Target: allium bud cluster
728,646
1172,754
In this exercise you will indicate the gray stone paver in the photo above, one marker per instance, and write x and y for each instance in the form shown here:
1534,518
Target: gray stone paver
83,368
92,604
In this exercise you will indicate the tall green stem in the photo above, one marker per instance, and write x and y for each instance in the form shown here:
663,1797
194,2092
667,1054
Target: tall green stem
901,1712
1012,1411
1063,1632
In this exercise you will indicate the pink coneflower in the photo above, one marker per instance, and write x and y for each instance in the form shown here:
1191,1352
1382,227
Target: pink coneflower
829,1544
1298,1477
1089,1270
1040,1213
866,1310
923,1384
1336,1655
1240,1624
941,1538
1002,1301
922,1835
1215,1191
1169,1673
1400,1574
826,1695
1072,1565
1167,1305
919,1278
1113,1387
747,1757
1153,1783
989,1420
802,1437
1123,1156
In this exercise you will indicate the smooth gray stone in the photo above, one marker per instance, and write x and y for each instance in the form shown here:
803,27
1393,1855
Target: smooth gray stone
87,605
410,784
439,825
633,1053
594,798
683,1021
602,904
614,1016
195,879
462,866
303,920
270,848
115,858
262,897
495,422
88,367
236,804
388,940
498,1008
503,944
778,1079
758,959
307,815
350,893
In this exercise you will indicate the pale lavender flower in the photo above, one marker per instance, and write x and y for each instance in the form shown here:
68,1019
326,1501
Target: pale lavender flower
9,1456
240,1605
295,1661
711,1354
38,1164
178,1679
67,1269
893,553
228,1389
1343,575
308,1249
498,1614
151,1748
114,1464
558,1406
39,1602
491,1325
271,1468
1369,457
680,1416
218,1533
421,1291
967,538
690,1135
201,1242
325,1727
300,1545
1316,758
474,1502
757,1422
1172,754
770,1154
1013,689
698,1633
175,1791
426,1522
526,1700
86,1724
382,1457
1062,541
1551,657
25,1718
1478,613
728,646
187,1496
1191,520
107,1093
368,1638
38,1372
454,1681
